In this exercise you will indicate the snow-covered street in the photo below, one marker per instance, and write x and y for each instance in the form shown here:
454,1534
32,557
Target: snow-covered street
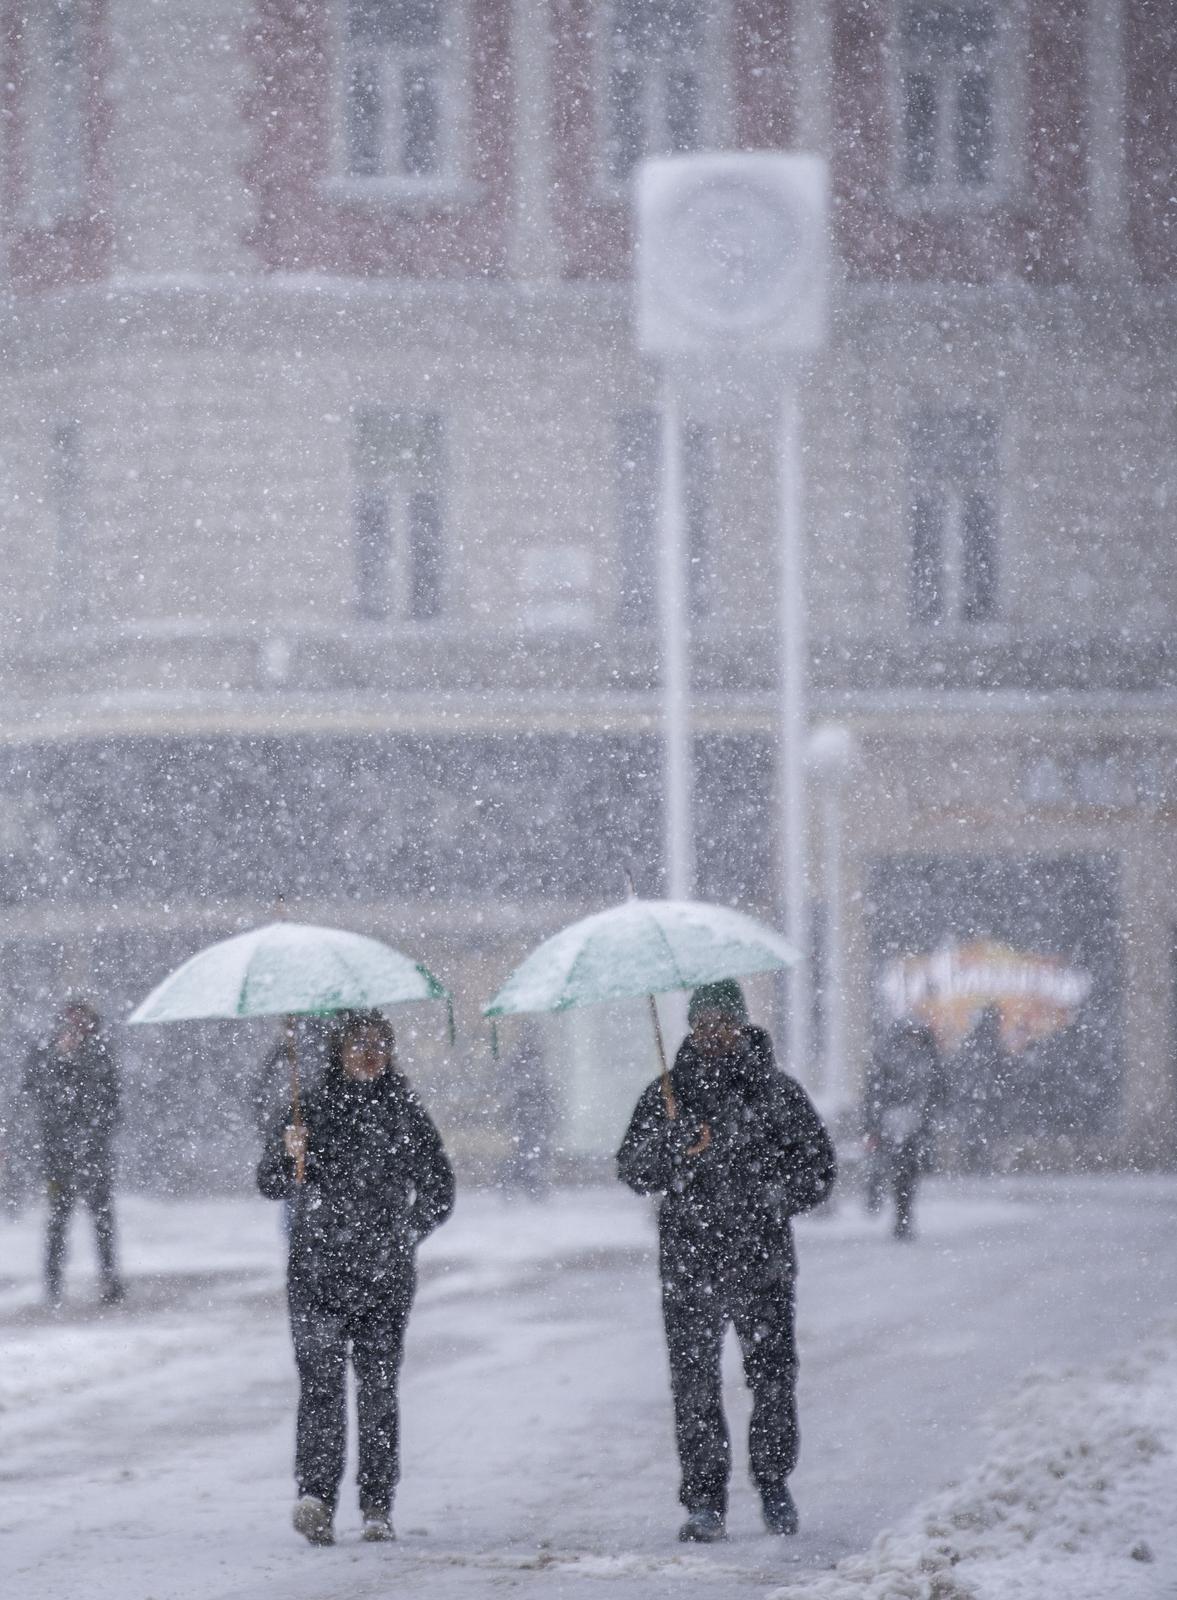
147,1448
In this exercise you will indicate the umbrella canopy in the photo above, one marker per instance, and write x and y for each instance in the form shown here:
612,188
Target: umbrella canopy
642,947
288,968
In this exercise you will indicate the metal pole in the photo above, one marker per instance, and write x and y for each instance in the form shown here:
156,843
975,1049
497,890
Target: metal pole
676,723
792,670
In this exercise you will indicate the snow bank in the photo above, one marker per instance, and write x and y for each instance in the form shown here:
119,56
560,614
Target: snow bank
1074,1500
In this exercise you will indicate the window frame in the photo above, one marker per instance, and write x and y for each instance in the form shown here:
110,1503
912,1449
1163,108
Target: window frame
47,205
946,193
404,503
715,92
450,179
954,491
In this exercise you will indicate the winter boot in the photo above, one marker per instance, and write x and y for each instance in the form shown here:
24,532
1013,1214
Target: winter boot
113,1291
378,1527
703,1527
780,1513
313,1518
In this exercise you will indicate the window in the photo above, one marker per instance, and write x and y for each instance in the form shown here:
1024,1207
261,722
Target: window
54,132
65,499
399,467
395,89
947,115
654,80
639,509
952,517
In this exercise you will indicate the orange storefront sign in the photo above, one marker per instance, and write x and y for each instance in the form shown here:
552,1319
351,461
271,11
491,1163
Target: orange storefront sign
1035,995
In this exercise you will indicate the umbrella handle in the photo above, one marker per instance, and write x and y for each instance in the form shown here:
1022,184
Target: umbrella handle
300,1161
668,1099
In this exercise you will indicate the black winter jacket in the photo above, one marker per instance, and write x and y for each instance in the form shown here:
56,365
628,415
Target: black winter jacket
905,1086
377,1182
769,1158
74,1100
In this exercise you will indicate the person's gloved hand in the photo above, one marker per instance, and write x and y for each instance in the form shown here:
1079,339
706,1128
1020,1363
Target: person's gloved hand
689,1140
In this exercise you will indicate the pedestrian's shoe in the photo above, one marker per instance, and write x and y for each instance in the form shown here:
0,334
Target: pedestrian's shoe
780,1513
703,1527
378,1527
314,1520
113,1291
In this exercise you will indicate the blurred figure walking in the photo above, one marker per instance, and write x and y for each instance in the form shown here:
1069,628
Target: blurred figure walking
72,1088
741,1152
905,1092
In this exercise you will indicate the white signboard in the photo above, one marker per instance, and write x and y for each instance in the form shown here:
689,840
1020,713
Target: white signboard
731,254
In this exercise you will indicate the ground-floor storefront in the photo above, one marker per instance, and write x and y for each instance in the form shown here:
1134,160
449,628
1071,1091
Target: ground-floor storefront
984,871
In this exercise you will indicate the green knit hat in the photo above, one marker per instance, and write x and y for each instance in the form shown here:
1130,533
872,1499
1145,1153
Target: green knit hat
726,997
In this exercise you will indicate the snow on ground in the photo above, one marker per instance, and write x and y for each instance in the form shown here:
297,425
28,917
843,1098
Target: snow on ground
1076,1499
146,1448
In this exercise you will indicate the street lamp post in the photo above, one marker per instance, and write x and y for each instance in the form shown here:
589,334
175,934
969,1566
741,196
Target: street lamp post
678,743
831,753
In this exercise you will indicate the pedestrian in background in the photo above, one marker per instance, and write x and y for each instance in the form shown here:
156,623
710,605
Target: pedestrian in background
529,1117
905,1093
745,1152
376,1182
980,1078
71,1087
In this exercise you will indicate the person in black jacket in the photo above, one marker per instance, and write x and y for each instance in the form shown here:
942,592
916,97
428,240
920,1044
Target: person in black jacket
739,1152
377,1181
72,1086
905,1089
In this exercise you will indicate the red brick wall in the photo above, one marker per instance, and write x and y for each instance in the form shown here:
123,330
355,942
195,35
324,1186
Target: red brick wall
302,227
593,228
1033,232
762,68
76,248
1150,71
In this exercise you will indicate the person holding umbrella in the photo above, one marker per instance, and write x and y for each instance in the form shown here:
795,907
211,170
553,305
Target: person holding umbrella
735,1149
375,1182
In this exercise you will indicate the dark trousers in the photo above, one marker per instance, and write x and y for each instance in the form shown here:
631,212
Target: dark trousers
63,1197
697,1306
374,1336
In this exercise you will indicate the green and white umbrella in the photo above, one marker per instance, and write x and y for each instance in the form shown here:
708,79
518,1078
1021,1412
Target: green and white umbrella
641,947
290,969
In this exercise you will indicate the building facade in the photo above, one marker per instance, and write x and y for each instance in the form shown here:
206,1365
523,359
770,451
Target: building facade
330,477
